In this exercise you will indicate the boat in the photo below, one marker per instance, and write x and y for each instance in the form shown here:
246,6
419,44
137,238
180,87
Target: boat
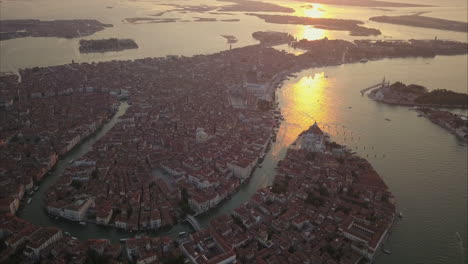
387,251
71,161
82,223
388,119
29,200
400,215
364,60
66,233
123,240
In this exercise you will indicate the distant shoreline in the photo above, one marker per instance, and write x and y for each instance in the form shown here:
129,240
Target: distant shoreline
353,26
366,3
21,28
423,22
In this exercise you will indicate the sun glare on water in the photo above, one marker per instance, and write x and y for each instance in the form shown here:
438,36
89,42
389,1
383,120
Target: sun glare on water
310,32
305,104
315,11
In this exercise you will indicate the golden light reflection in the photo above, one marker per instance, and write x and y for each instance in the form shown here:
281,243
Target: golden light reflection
310,33
304,103
315,11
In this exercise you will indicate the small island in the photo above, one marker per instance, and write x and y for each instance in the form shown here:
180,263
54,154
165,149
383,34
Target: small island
143,20
353,26
272,37
105,45
417,20
456,124
417,95
11,29
204,19
230,20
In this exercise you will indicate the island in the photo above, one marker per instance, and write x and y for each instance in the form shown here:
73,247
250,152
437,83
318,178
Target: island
366,3
423,21
11,29
230,20
353,26
417,95
192,133
191,8
342,51
253,6
272,37
205,19
105,45
143,20
237,6
456,124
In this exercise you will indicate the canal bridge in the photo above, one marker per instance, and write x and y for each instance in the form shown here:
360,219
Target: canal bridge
193,222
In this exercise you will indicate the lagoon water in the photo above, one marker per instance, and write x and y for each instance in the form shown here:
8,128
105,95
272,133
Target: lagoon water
424,165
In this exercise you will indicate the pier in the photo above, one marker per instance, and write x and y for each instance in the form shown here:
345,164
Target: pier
381,84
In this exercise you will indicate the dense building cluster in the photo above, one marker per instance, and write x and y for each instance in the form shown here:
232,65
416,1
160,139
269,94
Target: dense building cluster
325,206
39,124
194,130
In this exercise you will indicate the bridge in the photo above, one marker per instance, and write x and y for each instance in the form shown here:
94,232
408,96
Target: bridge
193,222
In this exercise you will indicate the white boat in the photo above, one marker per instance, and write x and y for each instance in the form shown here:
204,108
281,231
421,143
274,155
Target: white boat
71,161
400,215
82,223
387,251
364,60
29,200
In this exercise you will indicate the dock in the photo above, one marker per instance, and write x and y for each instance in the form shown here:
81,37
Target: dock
378,85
